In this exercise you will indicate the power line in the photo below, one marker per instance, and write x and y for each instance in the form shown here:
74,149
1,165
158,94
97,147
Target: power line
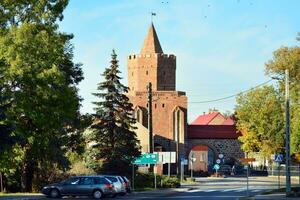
228,97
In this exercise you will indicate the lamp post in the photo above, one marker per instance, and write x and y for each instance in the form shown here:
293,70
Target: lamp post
287,135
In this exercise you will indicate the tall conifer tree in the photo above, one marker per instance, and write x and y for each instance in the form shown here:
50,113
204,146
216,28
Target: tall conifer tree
115,144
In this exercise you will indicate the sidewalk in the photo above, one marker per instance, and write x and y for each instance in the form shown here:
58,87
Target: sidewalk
160,192
277,196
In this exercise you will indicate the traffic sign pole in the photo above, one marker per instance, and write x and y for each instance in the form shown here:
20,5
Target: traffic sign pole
132,177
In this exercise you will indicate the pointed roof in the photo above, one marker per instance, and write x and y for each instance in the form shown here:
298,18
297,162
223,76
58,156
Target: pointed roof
151,43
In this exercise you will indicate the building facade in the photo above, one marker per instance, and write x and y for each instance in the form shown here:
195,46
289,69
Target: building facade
169,106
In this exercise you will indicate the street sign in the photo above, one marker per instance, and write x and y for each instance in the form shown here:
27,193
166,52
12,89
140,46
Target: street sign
147,158
184,162
166,157
278,157
218,161
247,160
216,167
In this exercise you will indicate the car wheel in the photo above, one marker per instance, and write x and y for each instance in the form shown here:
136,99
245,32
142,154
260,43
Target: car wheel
122,193
97,194
54,193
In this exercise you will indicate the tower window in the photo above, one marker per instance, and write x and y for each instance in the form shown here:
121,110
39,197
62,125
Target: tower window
163,105
147,72
155,105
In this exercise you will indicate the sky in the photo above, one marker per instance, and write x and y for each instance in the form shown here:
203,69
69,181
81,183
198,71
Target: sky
221,46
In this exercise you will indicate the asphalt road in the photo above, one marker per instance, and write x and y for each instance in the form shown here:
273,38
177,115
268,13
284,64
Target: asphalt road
206,188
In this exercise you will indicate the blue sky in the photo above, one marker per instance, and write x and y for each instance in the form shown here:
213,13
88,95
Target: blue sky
221,46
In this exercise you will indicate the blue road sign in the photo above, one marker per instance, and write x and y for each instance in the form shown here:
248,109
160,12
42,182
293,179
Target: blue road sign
278,157
216,167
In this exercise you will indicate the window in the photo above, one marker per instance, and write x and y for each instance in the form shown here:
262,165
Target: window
87,181
72,181
99,180
147,72
155,105
112,179
131,73
163,105
202,156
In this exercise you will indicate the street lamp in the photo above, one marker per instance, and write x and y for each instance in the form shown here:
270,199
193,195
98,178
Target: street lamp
287,135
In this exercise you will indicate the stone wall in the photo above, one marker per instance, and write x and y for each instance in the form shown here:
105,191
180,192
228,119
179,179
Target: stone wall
227,147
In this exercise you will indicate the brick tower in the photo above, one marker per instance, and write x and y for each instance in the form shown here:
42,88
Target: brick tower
169,106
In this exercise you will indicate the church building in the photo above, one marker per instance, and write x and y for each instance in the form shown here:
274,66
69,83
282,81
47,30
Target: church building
169,106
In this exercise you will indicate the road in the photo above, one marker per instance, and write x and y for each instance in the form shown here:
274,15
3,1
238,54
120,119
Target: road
205,188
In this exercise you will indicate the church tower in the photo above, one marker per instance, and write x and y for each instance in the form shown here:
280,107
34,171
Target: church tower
152,65
169,106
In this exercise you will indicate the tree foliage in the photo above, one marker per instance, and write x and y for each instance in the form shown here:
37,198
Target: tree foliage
42,83
113,143
289,58
259,116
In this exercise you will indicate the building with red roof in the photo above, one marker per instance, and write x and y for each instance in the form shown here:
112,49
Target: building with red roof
213,138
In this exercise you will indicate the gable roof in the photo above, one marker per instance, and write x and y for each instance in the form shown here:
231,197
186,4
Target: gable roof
205,119
151,43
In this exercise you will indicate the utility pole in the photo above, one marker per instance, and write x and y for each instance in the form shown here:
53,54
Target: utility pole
287,135
150,128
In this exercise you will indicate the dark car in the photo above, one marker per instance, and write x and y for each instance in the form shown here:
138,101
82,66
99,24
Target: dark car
127,184
96,186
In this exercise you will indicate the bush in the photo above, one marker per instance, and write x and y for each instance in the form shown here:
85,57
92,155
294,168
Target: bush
172,182
146,180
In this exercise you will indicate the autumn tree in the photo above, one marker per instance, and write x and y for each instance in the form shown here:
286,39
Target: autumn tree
289,58
259,117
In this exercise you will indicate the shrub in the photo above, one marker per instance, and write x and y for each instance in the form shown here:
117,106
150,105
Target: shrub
172,182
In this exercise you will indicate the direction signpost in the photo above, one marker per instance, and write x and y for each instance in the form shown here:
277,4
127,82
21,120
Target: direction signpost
247,161
278,158
147,158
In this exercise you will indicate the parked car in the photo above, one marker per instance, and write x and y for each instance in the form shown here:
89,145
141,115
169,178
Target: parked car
96,186
119,184
127,184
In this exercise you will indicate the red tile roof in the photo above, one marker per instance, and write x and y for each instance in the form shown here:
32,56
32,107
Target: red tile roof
212,132
205,119
228,121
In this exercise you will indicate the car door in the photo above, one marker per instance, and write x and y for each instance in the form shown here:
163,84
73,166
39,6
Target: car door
70,186
86,186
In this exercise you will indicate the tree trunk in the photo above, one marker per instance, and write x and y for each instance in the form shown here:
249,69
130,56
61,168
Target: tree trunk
29,172
1,182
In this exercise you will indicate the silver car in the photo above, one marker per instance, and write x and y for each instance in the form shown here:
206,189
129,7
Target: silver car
120,185
96,186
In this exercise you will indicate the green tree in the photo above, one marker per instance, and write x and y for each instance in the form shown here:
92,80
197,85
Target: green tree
113,142
289,58
37,63
259,117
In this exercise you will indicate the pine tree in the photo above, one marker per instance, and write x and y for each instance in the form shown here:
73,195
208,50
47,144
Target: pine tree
114,143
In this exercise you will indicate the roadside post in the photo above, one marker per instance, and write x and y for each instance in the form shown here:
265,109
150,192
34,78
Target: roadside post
247,166
132,177
278,158
247,161
192,159
155,172
144,159
216,167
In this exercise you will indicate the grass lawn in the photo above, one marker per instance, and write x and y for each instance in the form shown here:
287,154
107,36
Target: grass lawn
19,194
